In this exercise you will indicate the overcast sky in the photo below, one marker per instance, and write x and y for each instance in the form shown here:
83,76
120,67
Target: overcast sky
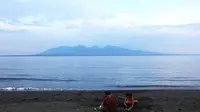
168,26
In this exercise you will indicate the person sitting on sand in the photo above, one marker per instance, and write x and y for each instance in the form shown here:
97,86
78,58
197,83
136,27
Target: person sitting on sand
129,102
109,103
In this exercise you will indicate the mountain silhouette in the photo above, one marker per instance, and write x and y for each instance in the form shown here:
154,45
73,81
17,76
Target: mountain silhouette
82,50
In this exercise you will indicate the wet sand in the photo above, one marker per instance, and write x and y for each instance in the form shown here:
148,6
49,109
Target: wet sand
85,101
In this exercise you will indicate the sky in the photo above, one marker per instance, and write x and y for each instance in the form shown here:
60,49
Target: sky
166,26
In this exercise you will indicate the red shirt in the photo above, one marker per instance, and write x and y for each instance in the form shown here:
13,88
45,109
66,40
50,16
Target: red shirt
129,100
110,102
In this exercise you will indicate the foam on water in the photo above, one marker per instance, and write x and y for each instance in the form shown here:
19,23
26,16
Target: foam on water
27,89
115,87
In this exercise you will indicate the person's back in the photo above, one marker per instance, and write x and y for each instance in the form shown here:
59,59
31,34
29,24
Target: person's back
110,102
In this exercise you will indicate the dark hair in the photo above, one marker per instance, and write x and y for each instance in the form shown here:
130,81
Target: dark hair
107,92
129,94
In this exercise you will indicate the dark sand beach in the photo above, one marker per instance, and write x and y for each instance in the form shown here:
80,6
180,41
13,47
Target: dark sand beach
85,101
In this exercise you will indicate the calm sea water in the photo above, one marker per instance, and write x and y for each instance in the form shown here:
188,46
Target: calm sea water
137,72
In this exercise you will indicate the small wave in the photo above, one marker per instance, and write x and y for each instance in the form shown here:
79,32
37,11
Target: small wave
20,75
177,80
35,79
29,89
9,69
41,89
150,86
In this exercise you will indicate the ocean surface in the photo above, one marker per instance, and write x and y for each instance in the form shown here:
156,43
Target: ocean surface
97,73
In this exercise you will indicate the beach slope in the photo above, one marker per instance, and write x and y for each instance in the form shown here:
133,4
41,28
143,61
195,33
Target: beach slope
85,101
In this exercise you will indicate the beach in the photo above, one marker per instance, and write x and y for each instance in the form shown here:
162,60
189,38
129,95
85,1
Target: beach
85,101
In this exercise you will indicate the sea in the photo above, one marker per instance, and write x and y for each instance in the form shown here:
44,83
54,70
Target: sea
99,73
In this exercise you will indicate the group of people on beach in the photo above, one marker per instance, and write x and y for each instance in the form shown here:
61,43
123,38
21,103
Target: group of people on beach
110,103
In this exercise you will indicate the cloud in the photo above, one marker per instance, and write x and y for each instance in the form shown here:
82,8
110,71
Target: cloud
33,19
187,30
6,25
149,25
68,24
175,17
122,20
136,26
55,28
126,22
39,24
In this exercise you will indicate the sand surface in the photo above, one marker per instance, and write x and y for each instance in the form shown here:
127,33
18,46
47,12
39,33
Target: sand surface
85,101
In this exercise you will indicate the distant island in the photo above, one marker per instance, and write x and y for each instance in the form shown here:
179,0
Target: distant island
81,50
108,50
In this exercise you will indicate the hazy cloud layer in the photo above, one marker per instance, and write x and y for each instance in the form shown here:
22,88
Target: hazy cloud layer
29,26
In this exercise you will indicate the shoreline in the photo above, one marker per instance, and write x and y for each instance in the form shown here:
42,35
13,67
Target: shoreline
110,88
86,100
